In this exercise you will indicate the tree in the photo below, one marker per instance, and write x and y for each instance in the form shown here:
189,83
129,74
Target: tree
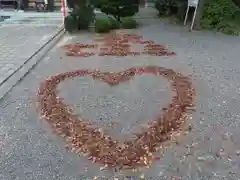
81,16
118,8
73,3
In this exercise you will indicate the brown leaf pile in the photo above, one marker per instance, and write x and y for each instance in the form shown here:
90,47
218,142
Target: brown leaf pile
76,49
100,147
118,45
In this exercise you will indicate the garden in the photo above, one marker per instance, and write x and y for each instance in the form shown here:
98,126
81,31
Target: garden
118,15
218,15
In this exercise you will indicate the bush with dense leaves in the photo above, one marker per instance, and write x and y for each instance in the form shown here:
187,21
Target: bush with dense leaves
221,15
129,23
70,23
118,8
84,15
164,7
237,3
114,23
176,8
218,10
102,25
76,3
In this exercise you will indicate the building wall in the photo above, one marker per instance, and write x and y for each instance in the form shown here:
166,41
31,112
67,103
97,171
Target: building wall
31,3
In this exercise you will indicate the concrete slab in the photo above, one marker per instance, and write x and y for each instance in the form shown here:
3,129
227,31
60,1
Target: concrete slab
20,41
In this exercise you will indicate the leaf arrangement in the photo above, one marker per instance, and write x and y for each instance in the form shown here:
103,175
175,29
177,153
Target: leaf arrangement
118,45
93,142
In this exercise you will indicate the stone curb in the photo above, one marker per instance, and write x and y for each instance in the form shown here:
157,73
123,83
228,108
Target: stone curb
23,70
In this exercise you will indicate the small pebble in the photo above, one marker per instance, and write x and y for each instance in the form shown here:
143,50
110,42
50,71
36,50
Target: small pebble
201,158
176,178
189,127
157,158
237,152
142,176
102,168
177,142
220,153
85,169
205,158
226,136
160,173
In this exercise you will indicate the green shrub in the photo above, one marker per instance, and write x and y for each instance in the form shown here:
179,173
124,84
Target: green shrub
237,3
84,16
164,7
228,27
102,25
114,24
70,23
129,23
221,15
217,11
118,8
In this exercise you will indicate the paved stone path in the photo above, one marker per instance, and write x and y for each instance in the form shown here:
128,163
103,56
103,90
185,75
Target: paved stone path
29,150
21,36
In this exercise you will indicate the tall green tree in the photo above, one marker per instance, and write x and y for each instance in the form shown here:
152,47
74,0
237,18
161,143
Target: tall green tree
74,3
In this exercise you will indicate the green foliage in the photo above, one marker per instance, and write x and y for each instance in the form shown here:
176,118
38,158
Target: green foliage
84,16
70,23
222,16
167,8
163,7
129,23
118,8
82,13
102,26
218,10
73,3
114,24
229,28
237,3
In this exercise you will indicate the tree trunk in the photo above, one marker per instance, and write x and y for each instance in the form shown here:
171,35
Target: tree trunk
118,18
117,15
197,24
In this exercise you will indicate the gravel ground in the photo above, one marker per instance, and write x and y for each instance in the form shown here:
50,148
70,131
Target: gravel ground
30,150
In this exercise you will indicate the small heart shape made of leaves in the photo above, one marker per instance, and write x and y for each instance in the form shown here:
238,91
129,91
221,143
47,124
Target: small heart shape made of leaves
99,146
118,45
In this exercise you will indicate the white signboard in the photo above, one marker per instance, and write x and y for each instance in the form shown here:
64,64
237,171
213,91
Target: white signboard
192,3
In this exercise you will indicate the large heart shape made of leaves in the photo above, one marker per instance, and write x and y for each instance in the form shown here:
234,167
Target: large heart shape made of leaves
99,146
